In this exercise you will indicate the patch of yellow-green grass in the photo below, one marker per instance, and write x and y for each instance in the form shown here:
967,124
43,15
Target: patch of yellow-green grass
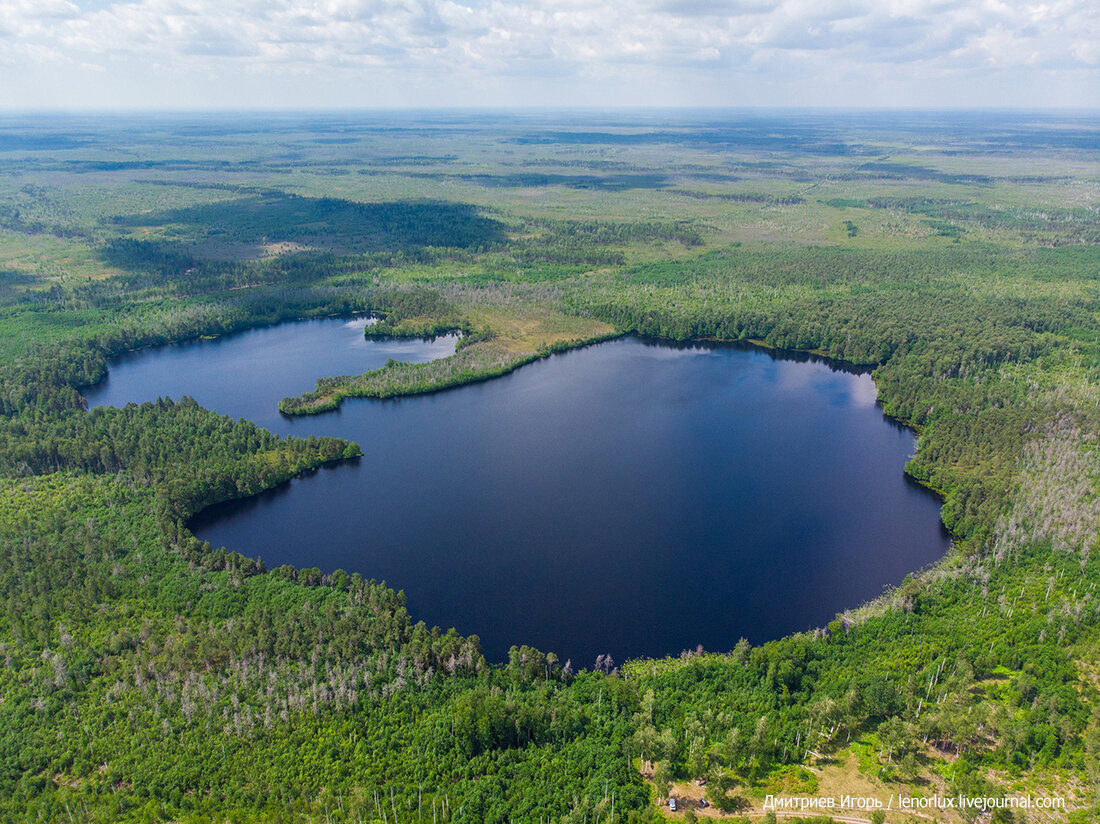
50,259
502,341
788,780
865,751
528,330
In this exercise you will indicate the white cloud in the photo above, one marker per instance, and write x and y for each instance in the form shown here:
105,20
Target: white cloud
480,40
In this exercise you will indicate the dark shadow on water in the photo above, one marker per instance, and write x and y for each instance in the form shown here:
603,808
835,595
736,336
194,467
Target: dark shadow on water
238,506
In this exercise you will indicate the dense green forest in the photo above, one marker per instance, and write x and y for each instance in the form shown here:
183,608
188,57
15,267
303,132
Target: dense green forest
148,676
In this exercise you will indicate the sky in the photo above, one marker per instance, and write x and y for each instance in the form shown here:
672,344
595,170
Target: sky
272,54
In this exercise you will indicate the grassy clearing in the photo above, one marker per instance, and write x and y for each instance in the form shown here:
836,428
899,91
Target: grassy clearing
852,777
501,342
50,259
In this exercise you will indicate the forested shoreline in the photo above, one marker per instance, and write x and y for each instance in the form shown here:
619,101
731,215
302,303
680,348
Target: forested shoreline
148,676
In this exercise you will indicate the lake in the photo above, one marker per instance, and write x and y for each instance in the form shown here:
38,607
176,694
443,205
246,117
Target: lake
634,498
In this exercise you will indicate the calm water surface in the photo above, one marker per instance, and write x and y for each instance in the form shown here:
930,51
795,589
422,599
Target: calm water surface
633,498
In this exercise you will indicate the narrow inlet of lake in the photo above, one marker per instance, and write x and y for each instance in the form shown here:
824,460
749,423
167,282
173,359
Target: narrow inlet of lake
634,498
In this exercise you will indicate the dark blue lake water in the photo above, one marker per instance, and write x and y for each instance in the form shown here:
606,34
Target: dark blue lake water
633,498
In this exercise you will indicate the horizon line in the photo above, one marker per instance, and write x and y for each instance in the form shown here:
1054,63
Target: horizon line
534,108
